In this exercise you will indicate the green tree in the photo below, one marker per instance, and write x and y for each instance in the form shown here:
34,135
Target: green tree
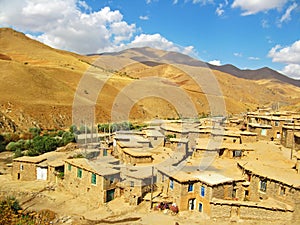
35,131
68,137
73,129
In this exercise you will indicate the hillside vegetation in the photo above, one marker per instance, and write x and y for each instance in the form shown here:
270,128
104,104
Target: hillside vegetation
39,83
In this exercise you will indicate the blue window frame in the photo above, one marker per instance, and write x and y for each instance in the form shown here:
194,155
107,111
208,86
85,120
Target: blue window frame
202,191
191,187
200,207
172,184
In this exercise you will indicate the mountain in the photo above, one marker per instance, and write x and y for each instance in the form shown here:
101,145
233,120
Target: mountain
40,85
259,74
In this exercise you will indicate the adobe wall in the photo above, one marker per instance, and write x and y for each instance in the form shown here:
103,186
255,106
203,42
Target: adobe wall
249,138
27,174
273,191
240,211
83,186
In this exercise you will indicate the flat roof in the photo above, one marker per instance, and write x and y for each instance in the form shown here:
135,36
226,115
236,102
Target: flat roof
260,125
179,140
286,176
210,178
94,166
153,133
137,152
210,144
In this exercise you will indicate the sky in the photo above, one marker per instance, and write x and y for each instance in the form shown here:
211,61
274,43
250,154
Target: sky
249,34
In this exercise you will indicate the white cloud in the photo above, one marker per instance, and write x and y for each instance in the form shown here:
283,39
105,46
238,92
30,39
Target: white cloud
238,54
144,17
175,2
70,25
215,62
203,2
265,23
290,56
251,7
292,70
220,11
159,42
287,15
253,58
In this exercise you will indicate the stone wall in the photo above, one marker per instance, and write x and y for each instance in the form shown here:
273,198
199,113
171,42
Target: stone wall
249,211
26,171
83,186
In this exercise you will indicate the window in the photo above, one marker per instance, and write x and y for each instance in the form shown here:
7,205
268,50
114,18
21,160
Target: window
79,172
69,167
263,132
155,138
276,123
172,184
237,153
131,183
282,190
104,152
200,207
21,167
233,193
202,191
94,178
191,187
263,185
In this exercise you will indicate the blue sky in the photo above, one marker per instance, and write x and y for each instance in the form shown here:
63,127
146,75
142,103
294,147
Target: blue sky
245,33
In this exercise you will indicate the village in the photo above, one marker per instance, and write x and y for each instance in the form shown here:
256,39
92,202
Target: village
238,168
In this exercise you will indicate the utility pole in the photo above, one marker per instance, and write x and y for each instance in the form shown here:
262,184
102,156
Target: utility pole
293,139
151,197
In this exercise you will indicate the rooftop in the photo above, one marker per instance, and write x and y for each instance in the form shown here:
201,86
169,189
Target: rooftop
287,176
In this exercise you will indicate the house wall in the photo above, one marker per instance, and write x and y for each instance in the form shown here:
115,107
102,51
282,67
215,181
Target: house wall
127,158
28,173
248,138
156,141
273,190
258,131
297,143
225,211
84,187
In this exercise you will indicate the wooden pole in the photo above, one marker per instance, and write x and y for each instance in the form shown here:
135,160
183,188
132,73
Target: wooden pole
151,197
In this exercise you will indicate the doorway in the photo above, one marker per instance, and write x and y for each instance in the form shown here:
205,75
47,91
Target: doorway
192,204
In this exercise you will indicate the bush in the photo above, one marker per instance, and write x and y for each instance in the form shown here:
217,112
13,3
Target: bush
68,137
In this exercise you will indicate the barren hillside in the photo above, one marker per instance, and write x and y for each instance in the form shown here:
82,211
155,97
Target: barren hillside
39,83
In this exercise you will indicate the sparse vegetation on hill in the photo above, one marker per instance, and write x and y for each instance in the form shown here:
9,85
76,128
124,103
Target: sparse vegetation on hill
11,213
37,142
39,84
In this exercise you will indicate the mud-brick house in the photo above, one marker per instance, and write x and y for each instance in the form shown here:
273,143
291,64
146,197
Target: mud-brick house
124,140
156,138
173,130
136,183
266,183
288,134
263,131
136,156
25,168
223,149
194,190
248,137
49,166
179,144
297,141
94,180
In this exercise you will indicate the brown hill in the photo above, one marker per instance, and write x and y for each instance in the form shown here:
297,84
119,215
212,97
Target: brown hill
39,84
